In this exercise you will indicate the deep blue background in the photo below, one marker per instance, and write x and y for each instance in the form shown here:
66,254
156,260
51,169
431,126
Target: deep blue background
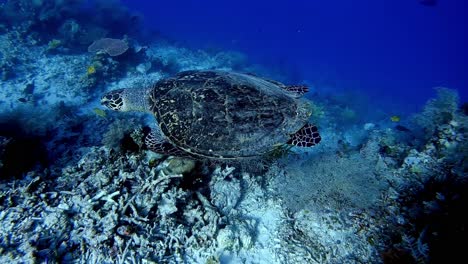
395,51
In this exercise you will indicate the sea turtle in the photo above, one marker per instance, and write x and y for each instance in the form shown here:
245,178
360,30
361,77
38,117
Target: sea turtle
220,114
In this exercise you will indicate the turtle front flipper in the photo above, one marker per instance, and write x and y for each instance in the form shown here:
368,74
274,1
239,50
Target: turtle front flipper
156,143
307,136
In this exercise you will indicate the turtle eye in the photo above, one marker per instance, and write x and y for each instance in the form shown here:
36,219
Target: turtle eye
111,103
113,100
117,104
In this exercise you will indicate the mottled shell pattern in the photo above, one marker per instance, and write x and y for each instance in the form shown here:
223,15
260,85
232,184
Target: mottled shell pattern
224,115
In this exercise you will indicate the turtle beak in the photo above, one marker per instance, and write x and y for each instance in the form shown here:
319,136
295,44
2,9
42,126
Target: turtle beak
105,101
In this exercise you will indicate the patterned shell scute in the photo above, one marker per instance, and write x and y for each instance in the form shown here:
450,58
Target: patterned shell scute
224,114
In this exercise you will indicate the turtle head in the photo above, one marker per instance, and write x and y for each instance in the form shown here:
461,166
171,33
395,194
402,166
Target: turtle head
114,100
124,100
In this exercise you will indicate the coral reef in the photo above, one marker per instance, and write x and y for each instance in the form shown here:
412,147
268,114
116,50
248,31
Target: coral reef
437,111
78,26
342,182
76,184
113,47
173,59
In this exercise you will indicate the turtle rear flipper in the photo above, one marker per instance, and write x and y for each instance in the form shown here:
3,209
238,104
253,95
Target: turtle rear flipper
297,89
155,142
307,136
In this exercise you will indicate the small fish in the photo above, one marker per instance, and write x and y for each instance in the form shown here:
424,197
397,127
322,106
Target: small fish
428,2
395,118
402,128
90,70
99,112
23,100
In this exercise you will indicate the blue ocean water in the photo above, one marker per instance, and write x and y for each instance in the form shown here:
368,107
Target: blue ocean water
395,51
255,131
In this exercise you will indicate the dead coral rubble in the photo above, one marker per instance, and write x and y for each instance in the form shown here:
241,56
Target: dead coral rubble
105,209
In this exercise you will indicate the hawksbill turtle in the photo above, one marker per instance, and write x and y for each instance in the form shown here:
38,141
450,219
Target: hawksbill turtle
220,114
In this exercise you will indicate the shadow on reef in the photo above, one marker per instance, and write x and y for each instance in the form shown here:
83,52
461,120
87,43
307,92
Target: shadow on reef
437,212
20,152
464,108
436,223
430,223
